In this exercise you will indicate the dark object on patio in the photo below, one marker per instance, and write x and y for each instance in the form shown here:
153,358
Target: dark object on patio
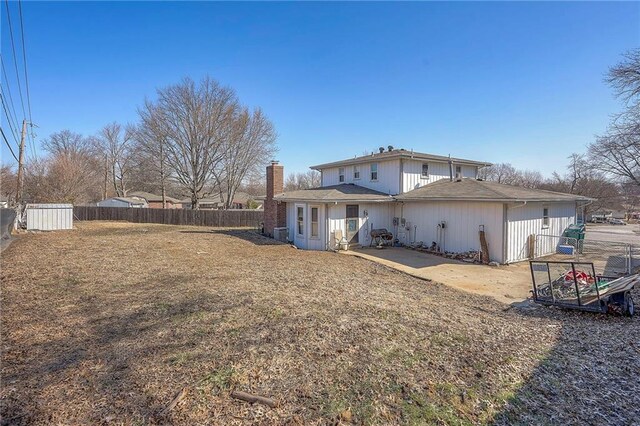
380,237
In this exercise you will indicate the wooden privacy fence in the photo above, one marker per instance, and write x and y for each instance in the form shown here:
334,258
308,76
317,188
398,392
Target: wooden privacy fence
215,218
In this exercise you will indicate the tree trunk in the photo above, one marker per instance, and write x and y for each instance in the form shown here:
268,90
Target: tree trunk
162,178
106,177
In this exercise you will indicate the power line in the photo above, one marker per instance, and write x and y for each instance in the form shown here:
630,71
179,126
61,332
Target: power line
8,87
15,57
8,145
4,106
26,77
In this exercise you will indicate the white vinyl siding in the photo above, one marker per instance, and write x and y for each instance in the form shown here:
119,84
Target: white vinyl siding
412,177
525,220
306,241
462,218
376,215
388,176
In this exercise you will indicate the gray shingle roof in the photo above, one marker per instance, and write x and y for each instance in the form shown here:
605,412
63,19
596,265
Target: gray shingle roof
127,200
343,193
472,189
400,153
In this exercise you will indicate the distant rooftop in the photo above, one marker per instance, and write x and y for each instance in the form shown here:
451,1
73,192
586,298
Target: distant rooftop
152,197
400,153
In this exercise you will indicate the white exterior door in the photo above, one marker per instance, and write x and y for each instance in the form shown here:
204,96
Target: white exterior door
300,231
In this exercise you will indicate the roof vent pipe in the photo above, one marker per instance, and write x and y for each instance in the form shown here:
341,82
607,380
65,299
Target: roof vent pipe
381,149
450,169
390,148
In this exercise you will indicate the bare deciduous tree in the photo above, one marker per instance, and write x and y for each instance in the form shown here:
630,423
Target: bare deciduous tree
617,153
249,146
8,182
507,174
295,181
499,172
151,153
116,144
194,121
69,173
66,142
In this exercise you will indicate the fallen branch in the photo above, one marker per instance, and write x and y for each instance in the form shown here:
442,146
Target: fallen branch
179,397
253,398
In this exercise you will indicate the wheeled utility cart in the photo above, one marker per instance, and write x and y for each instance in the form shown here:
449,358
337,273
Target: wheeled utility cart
575,285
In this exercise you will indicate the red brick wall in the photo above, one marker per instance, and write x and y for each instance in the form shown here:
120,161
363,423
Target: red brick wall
158,205
274,213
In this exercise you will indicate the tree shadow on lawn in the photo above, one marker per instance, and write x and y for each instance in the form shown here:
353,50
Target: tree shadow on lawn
107,363
252,236
590,376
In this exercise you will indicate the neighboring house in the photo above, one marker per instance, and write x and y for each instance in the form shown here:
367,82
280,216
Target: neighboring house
419,198
214,202
123,202
155,201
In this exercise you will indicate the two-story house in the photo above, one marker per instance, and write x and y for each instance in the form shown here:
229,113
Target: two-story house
418,197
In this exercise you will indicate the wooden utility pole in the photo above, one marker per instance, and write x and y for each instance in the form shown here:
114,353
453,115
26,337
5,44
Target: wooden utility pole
20,182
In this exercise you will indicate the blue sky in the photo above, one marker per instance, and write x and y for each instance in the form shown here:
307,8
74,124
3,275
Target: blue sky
501,82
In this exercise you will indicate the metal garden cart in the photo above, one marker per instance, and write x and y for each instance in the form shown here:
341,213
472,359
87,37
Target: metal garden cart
575,285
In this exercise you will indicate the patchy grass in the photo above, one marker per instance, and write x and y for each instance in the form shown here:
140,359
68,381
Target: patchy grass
107,323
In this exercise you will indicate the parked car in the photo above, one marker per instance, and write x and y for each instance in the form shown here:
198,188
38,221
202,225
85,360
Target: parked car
617,222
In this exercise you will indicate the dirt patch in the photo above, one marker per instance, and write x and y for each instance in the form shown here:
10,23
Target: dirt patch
108,323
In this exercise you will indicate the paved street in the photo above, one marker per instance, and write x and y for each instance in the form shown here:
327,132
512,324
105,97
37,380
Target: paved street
629,234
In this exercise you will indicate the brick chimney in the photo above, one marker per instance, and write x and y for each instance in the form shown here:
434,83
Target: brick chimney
274,212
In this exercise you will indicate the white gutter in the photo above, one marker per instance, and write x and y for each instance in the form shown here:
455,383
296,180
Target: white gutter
524,203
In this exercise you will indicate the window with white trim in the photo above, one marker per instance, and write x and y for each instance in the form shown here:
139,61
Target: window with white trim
341,174
356,172
425,170
545,217
300,220
459,171
374,171
314,222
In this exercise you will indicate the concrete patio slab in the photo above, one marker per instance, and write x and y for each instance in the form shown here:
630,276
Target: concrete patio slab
507,284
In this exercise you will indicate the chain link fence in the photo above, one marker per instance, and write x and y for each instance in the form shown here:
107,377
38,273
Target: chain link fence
609,258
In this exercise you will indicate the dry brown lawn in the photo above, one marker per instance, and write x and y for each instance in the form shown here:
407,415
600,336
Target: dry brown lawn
107,323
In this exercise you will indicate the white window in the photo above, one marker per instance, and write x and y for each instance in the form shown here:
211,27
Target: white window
300,220
314,222
341,174
545,217
374,171
458,171
356,172
425,170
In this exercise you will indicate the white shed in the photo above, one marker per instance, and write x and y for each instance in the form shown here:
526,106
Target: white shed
49,217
